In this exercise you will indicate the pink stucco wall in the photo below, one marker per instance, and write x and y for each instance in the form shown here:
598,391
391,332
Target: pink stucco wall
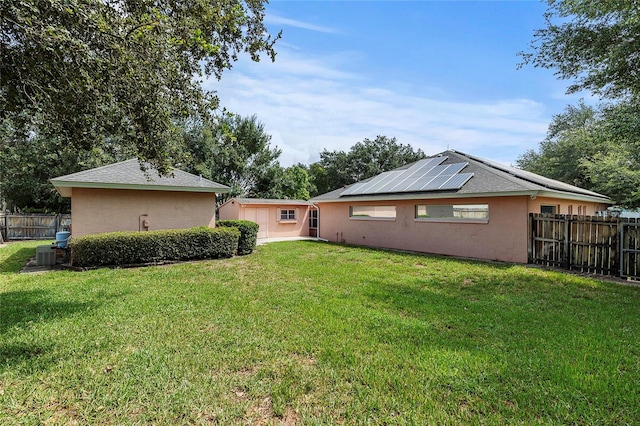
106,210
503,237
268,217
566,206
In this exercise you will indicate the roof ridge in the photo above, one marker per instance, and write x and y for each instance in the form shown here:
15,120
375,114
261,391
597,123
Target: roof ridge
530,177
509,176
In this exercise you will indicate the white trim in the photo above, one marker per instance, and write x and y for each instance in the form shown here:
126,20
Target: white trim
381,219
450,220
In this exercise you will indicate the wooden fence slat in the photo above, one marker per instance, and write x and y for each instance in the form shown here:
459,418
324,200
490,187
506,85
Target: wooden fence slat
33,227
586,243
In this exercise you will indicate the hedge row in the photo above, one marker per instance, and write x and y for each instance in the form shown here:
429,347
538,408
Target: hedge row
248,234
131,248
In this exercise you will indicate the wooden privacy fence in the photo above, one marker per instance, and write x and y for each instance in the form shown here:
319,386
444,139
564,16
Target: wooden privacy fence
593,244
33,226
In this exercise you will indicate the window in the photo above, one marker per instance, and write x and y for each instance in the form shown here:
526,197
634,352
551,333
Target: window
313,219
549,209
287,214
464,212
570,209
372,212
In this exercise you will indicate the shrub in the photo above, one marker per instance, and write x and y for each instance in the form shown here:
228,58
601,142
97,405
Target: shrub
131,248
248,234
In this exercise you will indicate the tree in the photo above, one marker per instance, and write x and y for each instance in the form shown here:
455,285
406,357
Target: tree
594,148
615,169
235,151
570,139
291,183
595,43
364,160
125,68
28,161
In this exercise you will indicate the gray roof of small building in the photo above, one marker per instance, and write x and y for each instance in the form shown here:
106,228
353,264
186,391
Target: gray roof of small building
489,179
128,175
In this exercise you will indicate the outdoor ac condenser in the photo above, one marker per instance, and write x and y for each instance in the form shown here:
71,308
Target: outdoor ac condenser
45,256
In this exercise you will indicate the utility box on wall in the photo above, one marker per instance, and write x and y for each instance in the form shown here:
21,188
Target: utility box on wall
45,256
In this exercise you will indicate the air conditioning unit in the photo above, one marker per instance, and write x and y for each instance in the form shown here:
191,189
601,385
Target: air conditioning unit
45,256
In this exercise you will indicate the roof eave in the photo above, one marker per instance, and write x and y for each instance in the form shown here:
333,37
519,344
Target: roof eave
577,197
61,186
440,196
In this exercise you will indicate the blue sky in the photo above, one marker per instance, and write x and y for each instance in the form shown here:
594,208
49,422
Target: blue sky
433,74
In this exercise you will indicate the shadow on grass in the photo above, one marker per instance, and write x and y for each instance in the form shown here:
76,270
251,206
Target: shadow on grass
17,260
20,311
33,354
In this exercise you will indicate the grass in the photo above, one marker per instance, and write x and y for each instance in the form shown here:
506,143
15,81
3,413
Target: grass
312,333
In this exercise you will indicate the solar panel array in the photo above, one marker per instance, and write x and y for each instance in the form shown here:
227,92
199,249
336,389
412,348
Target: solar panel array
424,175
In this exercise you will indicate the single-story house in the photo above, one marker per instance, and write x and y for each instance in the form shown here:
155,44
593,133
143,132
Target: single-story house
121,197
276,218
452,204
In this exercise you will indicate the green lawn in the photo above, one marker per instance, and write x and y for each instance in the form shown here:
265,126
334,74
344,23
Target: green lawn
313,333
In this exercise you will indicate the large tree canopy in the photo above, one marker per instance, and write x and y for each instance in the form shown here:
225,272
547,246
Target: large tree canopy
364,160
571,138
597,45
594,148
594,43
78,70
28,161
235,151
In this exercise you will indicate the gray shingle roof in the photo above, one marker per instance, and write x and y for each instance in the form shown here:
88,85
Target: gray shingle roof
127,175
489,179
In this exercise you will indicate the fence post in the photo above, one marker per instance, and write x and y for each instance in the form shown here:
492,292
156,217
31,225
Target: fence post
567,242
530,239
621,233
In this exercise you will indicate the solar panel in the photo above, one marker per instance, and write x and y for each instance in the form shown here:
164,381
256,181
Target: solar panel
424,175
435,183
418,169
364,187
458,181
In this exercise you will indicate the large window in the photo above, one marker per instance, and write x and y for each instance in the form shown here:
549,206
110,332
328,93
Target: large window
372,212
465,212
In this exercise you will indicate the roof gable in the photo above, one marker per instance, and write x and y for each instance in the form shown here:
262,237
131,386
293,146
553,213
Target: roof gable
128,175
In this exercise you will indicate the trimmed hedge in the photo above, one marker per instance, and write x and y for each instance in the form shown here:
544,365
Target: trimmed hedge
248,234
133,248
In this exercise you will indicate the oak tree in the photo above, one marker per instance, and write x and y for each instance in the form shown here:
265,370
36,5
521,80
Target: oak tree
77,70
594,43
364,160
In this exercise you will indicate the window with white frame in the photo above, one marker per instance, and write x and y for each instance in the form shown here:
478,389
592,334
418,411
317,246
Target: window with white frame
468,212
372,212
287,214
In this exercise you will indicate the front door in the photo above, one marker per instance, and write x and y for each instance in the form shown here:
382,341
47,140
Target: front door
313,223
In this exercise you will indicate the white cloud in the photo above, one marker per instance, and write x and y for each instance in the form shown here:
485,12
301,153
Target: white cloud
311,103
279,20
